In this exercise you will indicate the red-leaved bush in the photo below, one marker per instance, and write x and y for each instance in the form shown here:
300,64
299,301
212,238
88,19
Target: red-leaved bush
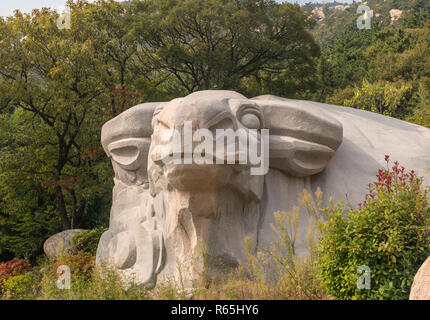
81,264
389,233
14,267
395,180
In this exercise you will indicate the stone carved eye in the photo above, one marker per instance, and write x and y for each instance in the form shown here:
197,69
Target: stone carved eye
250,117
248,113
251,121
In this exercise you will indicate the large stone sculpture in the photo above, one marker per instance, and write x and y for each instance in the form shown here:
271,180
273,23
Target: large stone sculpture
164,213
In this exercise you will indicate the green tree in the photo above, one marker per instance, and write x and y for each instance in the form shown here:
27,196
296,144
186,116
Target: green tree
218,43
393,99
57,87
49,76
345,63
382,97
421,115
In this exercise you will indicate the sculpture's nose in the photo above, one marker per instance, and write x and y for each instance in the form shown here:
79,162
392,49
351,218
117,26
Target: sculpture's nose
181,127
209,115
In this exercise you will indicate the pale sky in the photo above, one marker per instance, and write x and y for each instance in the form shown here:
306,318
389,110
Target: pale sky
7,7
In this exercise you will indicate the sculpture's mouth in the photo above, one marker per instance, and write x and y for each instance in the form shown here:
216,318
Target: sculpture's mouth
197,177
210,158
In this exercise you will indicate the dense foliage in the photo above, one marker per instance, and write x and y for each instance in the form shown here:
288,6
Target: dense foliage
389,232
80,264
11,268
217,44
87,241
20,287
384,69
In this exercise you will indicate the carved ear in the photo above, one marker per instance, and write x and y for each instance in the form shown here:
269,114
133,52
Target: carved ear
302,140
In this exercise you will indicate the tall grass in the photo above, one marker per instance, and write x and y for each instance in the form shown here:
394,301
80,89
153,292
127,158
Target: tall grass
277,272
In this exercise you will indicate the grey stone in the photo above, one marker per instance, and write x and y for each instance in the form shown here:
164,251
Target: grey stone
60,244
164,215
420,289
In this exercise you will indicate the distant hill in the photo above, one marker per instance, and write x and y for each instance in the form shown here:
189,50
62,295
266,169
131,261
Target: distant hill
336,18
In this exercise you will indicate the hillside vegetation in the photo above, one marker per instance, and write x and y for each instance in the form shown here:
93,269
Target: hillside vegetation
384,69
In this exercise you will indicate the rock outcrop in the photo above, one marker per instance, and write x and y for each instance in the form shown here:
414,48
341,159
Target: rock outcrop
61,243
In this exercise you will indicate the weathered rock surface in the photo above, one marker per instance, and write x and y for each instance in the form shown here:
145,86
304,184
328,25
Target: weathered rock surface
164,213
61,243
395,15
420,289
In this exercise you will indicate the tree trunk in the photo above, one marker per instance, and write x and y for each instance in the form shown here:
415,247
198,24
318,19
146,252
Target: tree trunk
61,207
77,211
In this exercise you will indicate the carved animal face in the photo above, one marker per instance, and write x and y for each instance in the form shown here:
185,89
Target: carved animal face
207,113
184,203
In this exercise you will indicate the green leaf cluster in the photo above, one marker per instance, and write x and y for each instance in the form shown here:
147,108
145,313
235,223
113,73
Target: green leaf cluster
87,241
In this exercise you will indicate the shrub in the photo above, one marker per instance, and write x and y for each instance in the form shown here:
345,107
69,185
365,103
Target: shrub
100,283
87,241
12,268
81,272
389,232
22,287
81,264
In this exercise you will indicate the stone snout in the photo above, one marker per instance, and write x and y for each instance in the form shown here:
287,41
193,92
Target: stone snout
203,147
212,207
196,161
